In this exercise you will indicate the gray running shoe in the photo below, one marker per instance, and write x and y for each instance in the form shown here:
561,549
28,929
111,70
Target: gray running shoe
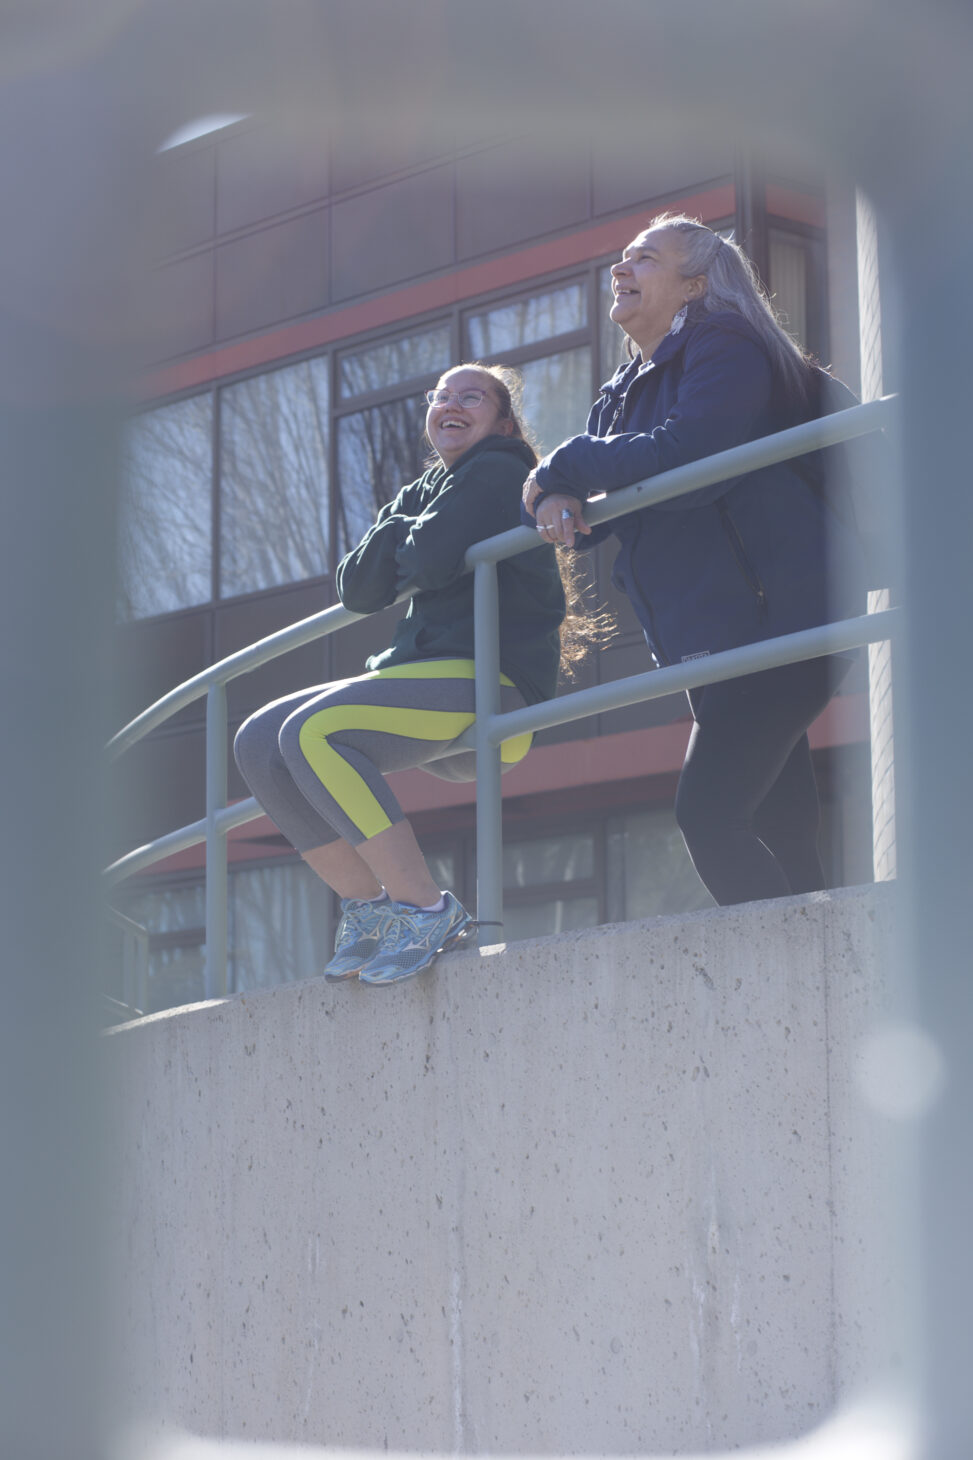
415,938
362,927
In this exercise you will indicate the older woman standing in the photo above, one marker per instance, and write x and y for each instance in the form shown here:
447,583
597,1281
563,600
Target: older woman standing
743,560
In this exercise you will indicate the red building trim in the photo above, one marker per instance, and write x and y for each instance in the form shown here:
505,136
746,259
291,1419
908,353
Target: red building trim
798,207
633,756
623,757
417,299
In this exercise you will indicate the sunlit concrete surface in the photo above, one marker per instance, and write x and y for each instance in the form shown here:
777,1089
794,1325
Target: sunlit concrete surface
865,1431
611,1192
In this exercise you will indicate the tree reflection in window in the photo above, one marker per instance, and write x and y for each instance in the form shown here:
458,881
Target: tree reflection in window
647,868
164,513
378,366
553,915
557,390
525,321
280,926
274,512
562,858
549,864
379,451
175,918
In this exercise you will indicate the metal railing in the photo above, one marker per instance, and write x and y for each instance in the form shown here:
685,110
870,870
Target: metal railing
491,727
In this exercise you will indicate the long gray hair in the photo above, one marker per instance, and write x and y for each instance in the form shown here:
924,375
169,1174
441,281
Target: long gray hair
732,284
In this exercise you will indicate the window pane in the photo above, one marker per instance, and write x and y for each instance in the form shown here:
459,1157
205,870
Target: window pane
556,916
647,868
611,337
788,280
549,859
557,397
394,360
280,926
167,909
379,451
528,320
274,479
176,973
165,510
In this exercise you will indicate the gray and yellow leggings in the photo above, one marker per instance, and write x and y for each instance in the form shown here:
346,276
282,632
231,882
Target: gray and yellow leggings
315,760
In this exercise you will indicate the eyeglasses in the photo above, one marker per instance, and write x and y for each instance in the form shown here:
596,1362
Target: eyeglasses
468,399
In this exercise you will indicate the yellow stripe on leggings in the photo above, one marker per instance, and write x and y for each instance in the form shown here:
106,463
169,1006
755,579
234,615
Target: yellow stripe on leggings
512,750
332,770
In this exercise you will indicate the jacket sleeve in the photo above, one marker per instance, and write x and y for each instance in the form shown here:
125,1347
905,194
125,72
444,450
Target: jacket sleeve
724,393
479,500
366,577
584,541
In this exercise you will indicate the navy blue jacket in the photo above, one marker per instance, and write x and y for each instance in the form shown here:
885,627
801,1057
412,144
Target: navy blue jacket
420,540
743,560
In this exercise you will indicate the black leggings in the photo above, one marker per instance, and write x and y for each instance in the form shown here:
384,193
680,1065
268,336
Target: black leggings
747,801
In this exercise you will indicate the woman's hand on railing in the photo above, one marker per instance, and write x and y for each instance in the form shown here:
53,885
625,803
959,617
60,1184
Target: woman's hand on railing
559,518
531,492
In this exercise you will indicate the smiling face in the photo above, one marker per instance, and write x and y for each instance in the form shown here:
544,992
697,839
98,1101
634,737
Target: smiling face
649,289
453,428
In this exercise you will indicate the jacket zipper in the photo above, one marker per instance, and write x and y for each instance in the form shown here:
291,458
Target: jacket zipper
739,552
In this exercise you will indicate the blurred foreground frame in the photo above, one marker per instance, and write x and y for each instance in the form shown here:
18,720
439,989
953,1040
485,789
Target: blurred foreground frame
878,91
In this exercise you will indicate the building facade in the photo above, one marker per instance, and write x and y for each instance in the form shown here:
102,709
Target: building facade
305,291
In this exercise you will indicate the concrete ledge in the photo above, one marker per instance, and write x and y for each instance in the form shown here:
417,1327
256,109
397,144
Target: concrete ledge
612,1192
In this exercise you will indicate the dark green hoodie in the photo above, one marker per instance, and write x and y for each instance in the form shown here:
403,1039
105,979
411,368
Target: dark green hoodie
420,540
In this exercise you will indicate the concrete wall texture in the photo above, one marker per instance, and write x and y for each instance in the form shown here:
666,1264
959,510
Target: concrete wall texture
608,1192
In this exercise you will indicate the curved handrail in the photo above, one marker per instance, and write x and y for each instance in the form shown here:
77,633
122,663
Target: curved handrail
181,840
305,631
653,684
490,726
751,456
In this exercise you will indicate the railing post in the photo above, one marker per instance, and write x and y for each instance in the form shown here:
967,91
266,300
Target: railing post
489,856
216,854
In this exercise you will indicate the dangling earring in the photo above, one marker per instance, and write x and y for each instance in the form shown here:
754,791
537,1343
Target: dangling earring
679,319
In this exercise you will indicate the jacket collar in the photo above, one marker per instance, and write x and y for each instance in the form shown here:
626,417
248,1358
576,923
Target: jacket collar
512,444
671,344
668,347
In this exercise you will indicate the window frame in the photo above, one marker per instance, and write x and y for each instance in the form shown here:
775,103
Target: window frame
456,317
